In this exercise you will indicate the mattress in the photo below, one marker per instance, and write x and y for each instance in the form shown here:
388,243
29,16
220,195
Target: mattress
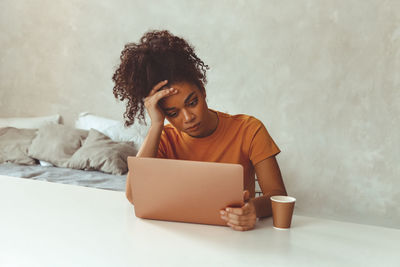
94,179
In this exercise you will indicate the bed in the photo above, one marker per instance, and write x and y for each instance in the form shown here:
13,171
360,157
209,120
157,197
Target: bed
92,153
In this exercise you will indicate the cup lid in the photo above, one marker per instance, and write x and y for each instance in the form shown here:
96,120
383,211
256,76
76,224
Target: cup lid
283,199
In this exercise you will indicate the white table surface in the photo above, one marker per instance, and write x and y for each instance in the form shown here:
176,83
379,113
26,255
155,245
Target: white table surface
49,224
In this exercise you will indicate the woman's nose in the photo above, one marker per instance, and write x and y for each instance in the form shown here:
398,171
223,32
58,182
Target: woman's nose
188,116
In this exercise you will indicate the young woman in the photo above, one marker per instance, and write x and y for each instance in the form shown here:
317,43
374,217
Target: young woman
162,74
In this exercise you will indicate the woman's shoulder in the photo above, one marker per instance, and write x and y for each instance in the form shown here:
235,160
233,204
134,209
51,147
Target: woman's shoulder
171,132
169,129
240,119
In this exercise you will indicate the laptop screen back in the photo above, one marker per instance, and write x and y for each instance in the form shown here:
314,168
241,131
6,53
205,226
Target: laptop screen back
184,191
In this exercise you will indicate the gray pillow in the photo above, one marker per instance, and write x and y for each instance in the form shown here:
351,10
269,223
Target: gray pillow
14,145
56,143
100,153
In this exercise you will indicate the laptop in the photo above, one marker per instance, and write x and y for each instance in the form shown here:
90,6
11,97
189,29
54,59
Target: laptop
183,190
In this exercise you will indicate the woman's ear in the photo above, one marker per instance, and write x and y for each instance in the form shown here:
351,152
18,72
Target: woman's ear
203,92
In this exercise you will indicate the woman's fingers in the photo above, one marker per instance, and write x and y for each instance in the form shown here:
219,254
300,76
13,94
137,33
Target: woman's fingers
152,101
157,87
164,93
240,219
245,209
236,219
240,228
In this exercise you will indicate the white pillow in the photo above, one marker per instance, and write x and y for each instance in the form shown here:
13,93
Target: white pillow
45,163
86,121
29,122
113,128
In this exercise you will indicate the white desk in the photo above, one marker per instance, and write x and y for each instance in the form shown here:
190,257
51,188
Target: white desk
48,224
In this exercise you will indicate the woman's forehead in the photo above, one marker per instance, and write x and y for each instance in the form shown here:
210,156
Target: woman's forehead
185,92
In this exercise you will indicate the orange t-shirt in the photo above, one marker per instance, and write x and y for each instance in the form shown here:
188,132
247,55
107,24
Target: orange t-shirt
239,139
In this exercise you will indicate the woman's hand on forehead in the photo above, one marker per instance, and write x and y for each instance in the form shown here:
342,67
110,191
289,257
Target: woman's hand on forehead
158,87
151,102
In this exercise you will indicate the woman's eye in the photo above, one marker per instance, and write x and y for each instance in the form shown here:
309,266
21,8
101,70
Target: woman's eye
193,103
173,114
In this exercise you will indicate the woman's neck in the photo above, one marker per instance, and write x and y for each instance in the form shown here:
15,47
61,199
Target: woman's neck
212,122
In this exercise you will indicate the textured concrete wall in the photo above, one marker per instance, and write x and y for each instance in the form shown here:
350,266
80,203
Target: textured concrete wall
324,77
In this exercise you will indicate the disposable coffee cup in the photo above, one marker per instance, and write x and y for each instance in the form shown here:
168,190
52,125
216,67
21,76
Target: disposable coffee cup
282,211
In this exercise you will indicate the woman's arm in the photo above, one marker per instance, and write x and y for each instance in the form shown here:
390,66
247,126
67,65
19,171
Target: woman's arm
148,149
150,145
271,183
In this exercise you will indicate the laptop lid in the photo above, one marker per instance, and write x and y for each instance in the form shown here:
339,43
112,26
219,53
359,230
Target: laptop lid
184,191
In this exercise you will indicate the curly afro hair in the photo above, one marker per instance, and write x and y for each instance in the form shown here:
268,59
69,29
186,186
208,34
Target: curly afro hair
158,56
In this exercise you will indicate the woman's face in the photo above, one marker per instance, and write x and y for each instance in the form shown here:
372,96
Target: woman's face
187,110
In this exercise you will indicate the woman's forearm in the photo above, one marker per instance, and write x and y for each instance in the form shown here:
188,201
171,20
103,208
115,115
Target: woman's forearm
149,149
271,184
150,145
263,203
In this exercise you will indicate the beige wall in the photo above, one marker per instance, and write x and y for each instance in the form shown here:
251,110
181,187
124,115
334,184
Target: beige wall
322,75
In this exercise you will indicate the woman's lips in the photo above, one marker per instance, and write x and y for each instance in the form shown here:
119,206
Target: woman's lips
194,127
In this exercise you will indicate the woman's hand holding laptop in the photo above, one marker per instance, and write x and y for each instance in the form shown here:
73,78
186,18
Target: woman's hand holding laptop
243,218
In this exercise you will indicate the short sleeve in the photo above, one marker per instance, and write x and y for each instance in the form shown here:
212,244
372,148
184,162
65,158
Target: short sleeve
162,147
262,146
